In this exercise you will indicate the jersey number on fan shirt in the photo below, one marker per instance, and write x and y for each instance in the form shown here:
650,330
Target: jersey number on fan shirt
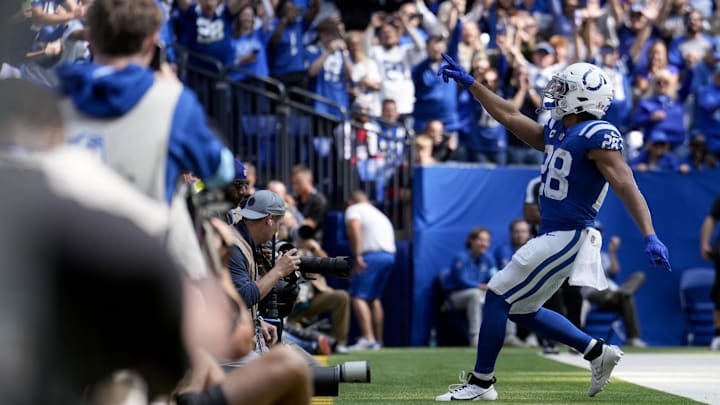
555,169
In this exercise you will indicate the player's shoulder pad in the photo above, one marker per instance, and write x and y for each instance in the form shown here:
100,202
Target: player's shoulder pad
602,134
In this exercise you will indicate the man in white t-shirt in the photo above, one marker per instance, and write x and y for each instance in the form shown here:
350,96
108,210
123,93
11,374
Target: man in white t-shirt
372,244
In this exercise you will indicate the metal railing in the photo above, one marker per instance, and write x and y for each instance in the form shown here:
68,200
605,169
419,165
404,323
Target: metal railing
276,128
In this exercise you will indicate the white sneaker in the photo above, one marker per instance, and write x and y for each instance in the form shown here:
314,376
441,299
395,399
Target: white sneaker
715,344
636,342
364,344
467,392
602,367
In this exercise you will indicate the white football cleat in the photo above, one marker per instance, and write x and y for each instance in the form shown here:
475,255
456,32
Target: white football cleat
602,367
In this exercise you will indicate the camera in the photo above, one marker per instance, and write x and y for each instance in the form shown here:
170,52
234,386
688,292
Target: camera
333,266
326,380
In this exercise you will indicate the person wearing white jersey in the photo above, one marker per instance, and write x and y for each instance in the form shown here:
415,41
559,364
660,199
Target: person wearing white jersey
372,244
395,61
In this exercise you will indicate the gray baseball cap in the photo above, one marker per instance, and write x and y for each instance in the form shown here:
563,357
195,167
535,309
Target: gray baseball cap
263,203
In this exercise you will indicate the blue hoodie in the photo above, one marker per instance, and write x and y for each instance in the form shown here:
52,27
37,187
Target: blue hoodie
103,92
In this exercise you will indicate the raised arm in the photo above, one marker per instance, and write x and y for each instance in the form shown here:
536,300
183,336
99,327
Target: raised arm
183,5
618,174
504,111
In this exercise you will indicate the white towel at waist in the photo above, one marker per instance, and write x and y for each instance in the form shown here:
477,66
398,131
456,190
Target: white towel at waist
587,269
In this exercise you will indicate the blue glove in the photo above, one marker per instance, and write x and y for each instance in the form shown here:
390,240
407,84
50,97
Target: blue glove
656,252
451,70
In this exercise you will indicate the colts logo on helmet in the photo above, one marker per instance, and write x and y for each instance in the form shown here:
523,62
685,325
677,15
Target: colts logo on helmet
592,88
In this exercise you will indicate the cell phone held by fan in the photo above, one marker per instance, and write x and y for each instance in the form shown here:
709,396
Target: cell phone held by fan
159,57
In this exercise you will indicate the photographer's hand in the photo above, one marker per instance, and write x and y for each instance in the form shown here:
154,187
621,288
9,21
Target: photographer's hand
269,331
287,263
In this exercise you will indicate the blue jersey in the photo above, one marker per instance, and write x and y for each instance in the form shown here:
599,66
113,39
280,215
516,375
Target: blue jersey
330,82
573,189
288,55
468,271
253,43
209,35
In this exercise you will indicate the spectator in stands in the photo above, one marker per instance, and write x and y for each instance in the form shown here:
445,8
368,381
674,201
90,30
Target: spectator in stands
330,68
637,34
372,245
470,44
423,150
711,252
394,61
206,28
657,57
433,100
540,71
686,50
286,52
656,156
249,44
662,110
251,177
487,140
466,284
49,17
520,86
616,298
620,109
408,16
699,157
444,145
293,218
365,76
392,133
310,202
708,117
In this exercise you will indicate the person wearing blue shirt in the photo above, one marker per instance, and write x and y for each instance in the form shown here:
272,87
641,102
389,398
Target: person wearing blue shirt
249,44
330,68
583,156
656,156
143,124
664,111
487,141
620,109
467,281
207,29
639,27
286,52
708,105
695,41
433,100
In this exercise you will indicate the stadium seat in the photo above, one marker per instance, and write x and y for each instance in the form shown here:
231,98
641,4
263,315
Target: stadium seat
697,307
605,325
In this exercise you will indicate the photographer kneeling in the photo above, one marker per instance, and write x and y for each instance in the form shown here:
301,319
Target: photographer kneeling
260,219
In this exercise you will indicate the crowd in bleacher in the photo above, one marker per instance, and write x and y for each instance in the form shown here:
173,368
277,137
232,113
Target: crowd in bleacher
662,56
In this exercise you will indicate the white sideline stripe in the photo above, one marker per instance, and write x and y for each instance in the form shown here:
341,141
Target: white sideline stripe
693,375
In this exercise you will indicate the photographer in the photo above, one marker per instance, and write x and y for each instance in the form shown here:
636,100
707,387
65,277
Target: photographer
260,220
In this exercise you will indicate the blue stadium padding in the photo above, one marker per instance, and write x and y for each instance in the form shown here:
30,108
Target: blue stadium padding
448,200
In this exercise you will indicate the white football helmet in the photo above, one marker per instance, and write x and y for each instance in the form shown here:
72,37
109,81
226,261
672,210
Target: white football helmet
580,87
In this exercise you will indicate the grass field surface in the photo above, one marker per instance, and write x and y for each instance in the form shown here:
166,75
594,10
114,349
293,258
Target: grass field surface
417,375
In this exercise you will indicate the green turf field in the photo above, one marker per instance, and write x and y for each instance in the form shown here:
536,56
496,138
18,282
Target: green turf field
417,375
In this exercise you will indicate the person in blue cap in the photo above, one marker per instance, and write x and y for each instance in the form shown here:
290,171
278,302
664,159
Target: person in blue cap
656,156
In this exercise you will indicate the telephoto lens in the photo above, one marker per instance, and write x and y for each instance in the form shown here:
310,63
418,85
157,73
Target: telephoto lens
326,380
